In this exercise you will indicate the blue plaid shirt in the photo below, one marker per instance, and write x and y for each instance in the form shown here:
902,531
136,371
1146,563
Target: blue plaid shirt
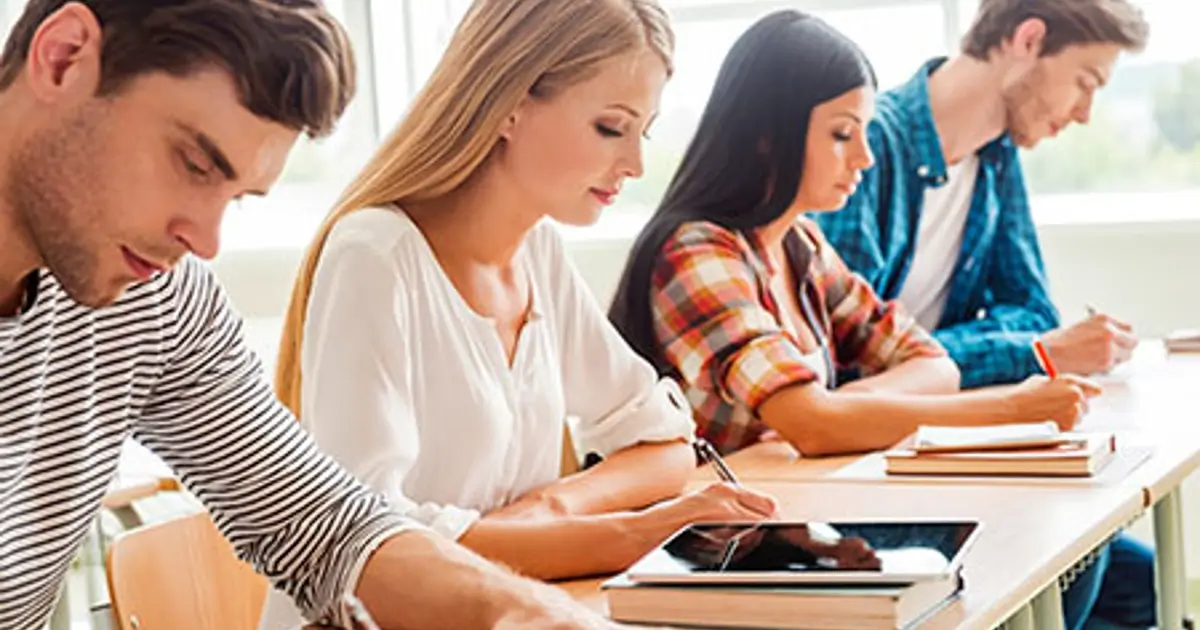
998,302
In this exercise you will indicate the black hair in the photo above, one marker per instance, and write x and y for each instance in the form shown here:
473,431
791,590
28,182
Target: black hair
743,167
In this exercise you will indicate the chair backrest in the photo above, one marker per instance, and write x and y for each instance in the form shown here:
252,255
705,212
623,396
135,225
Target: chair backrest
182,575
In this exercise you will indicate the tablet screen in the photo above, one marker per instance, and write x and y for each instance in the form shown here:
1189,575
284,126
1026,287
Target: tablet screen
897,548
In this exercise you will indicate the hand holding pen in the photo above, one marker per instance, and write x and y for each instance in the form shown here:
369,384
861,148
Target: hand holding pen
1094,345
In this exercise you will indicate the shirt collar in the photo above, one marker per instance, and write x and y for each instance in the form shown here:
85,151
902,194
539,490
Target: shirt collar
925,148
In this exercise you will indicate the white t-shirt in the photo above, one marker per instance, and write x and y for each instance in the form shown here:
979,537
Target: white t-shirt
411,389
939,239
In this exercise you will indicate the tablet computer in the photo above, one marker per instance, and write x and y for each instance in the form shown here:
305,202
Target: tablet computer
846,552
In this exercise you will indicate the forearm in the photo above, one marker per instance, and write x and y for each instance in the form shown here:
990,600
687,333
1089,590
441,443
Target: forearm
420,581
830,423
629,479
567,547
922,375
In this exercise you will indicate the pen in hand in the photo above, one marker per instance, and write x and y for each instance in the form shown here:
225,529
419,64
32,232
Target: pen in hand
1043,358
708,453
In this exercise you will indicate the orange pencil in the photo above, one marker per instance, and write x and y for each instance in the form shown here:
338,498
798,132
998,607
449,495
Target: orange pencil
1043,358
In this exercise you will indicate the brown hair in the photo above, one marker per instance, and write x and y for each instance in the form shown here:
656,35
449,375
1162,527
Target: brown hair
502,52
291,60
1068,23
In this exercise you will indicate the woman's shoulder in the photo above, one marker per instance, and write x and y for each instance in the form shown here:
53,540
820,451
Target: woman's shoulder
704,233
381,227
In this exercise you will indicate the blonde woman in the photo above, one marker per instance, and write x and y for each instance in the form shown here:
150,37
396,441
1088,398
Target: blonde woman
438,335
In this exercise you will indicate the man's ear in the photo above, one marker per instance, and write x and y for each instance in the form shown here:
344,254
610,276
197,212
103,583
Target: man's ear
64,55
1028,39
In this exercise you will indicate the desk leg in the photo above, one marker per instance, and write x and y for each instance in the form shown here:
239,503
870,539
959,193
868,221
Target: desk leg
1169,561
1022,619
1048,608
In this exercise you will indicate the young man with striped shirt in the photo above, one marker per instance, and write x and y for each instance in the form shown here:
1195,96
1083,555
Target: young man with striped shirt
126,128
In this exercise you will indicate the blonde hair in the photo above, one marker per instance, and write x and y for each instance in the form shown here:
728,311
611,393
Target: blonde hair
502,52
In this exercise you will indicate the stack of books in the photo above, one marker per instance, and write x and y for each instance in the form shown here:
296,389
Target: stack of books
779,607
1186,340
1036,450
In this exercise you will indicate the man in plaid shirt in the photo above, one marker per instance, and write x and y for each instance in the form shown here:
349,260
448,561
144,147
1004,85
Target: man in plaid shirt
942,222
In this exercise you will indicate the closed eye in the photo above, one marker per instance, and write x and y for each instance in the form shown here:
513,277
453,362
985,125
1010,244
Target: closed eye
608,132
192,167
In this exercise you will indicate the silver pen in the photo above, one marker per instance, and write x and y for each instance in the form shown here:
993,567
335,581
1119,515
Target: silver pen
708,453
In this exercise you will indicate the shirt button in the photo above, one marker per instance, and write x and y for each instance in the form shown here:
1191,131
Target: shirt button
923,171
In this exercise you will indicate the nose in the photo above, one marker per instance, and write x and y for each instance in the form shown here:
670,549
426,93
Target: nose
633,164
864,157
200,230
1083,111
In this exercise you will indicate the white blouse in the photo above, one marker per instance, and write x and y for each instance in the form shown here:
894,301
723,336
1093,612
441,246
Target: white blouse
411,390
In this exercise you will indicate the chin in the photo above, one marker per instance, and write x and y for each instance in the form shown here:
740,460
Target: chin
582,218
99,294
832,204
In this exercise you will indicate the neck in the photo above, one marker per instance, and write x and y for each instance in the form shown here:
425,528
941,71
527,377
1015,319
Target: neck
966,97
483,223
18,257
771,235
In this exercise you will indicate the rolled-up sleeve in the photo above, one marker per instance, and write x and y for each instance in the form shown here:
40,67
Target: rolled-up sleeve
290,511
617,396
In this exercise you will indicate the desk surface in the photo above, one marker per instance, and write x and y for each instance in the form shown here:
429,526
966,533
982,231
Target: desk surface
1027,539
1148,402
1032,533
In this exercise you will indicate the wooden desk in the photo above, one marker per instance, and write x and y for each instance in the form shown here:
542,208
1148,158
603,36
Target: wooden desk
1028,539
1149,402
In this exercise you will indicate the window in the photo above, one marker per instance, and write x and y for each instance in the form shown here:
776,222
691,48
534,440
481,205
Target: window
896,38
1141,151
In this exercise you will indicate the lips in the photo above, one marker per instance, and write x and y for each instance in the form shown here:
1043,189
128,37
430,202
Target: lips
606,196
143,269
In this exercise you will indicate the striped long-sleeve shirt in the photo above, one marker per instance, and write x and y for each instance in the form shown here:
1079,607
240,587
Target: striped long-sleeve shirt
167,365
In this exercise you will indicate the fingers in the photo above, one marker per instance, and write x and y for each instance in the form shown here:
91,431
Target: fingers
739,502
1087,388
1119,324
757,502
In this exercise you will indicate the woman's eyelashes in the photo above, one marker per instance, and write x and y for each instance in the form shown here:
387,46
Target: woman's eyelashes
842,135
608,131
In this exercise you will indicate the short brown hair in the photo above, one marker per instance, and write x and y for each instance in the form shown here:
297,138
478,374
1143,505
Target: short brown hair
1068,23
290,59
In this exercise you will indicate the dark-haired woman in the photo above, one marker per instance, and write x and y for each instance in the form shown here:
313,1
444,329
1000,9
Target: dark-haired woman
732,291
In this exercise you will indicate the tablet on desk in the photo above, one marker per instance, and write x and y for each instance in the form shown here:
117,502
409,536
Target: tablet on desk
891,552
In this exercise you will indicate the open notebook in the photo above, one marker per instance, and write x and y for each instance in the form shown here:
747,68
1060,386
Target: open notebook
1018,449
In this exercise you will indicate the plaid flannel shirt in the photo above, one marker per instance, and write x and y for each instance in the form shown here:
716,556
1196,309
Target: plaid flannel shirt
998,301
721,331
